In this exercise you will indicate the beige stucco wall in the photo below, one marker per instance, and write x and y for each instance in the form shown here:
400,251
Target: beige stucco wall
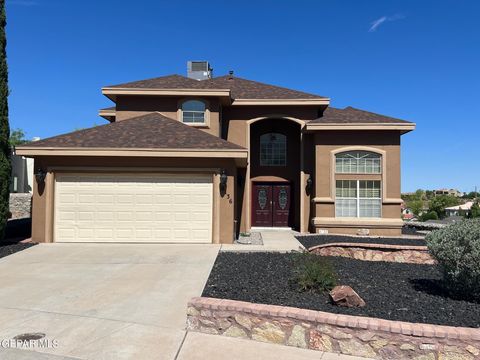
328,142
235,123
132,106
43,194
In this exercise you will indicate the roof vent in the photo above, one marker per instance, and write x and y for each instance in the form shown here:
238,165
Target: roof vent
199,70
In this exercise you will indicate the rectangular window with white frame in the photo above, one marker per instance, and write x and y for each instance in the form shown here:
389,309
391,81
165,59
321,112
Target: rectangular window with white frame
358,198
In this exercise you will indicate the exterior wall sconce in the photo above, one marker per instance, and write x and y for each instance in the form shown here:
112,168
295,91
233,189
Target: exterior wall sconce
40,176
309,184
223,180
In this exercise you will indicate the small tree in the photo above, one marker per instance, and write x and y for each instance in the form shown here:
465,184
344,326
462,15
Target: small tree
17,137
439,203
475,211
5,165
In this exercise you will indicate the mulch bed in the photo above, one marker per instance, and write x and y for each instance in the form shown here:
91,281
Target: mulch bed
393,291
7,248
314,240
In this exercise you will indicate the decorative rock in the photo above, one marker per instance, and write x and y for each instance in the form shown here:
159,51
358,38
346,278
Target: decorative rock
407,346
208,330
223,324
244,321
319,341
268,332
354,347
297,337
472,350
206,322
378,344
235,331
345,296
366,335
429,356
427,347
192,311
454,356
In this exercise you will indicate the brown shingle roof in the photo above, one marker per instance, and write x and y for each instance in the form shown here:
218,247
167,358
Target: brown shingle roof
350,115
240,88
151,131
248,89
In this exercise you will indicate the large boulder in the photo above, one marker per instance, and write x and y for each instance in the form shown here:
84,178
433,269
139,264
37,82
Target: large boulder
343,295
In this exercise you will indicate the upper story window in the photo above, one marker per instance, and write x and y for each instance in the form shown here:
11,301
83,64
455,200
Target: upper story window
358,162
273,149
193,112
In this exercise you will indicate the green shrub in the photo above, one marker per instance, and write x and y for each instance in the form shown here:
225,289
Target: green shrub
457,250
431,215
312,273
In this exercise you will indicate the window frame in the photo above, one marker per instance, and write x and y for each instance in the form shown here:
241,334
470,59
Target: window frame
358,198
370,160
206,113
268,162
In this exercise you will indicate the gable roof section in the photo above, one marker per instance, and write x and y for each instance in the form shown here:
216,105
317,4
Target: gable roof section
356,119
236,88
152,132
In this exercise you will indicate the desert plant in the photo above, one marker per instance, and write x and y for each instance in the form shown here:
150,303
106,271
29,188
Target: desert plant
431,215
312,273
457,250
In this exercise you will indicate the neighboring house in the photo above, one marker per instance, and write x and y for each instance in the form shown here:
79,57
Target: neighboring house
22,174
186,160
459,209
452,192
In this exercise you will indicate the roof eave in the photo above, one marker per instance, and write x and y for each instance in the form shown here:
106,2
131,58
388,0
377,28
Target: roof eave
319,101
402,127
113,92
107,114
33,151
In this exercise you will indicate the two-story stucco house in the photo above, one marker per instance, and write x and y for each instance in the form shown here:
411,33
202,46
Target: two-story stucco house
201,158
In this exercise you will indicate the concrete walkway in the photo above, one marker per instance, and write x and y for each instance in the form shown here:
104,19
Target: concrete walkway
275,240
116,301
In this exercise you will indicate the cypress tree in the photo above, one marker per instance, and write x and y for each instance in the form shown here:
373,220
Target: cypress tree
5,165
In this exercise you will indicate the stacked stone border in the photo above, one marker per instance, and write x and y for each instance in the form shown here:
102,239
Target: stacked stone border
376,252
20,205
345,334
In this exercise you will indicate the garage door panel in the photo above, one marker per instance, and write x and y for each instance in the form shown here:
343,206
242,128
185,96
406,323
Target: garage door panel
132,208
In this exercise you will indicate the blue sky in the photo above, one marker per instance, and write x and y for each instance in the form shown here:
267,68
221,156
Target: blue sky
415,60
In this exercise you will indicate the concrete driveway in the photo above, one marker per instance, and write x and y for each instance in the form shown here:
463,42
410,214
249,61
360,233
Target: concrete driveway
102,301
116,301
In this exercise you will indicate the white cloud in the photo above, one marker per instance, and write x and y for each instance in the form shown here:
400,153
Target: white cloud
375,24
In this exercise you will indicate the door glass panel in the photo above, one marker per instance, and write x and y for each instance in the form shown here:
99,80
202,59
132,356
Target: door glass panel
262,198
282,199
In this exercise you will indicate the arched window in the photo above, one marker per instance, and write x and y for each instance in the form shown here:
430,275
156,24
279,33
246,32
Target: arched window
358,162
273,149
193,112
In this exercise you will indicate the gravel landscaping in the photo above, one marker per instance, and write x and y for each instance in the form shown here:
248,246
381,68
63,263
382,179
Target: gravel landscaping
7,248
393,291
314,240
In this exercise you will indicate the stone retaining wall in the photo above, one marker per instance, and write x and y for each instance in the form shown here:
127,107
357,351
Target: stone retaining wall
345,334
20,205
376,252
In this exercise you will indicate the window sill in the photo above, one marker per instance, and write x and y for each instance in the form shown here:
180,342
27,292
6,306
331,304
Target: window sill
197,125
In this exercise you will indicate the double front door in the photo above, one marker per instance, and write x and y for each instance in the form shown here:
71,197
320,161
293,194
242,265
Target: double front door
271,205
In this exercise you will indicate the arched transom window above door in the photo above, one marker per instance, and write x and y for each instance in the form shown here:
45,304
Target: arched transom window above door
358,162
193,112
273,149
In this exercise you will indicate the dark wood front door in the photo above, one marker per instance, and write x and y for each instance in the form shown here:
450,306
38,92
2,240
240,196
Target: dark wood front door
271,205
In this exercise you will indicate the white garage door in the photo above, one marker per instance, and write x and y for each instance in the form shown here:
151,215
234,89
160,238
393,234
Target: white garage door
133,208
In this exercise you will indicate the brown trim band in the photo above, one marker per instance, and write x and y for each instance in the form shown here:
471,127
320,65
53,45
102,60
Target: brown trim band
135,152
362,126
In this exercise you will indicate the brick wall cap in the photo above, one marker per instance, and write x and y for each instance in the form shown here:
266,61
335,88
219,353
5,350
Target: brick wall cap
361,322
